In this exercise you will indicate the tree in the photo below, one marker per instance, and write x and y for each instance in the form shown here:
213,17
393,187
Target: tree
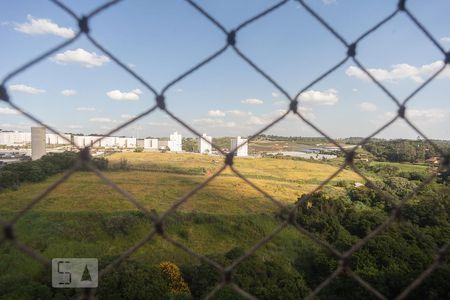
133,280
263,279
177,285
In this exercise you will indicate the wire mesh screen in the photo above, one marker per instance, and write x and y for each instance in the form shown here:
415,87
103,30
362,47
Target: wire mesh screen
231,43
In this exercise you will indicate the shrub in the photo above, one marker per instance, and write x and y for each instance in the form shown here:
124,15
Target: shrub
8,179
263,279
34,171
177,285
133,280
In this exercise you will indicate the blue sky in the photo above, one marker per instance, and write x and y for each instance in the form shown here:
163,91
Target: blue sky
79,89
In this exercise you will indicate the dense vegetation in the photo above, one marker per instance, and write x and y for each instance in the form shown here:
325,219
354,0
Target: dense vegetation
297,139
12,175
225,220
404,150
389,262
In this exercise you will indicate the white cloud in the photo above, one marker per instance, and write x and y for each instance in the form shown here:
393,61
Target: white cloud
102,120
304,111
124,96
430,115
400,71
354,90
328,2
126,116
281,102
417,116
69,93
8,111
252,101
81,56
255,120
86,108
20,126
213,122
208,121
327,97
367,106
44,26
275,95
26,89
445,39
216,113
238,113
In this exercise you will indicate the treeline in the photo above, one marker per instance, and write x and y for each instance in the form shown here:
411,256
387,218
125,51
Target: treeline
13,175
391,260
404,150
298,139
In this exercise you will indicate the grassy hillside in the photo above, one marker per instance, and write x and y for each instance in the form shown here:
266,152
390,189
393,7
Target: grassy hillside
164,178
83,206
259,168
83,217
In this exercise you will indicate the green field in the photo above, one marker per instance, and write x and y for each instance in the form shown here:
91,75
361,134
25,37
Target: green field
84,217
159,179
163,179
406,167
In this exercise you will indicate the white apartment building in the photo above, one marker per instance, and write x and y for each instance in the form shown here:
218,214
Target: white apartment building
108,142
175,142
24,138
205,147
243,150
126,142
9,138
150,144
14,138
54,139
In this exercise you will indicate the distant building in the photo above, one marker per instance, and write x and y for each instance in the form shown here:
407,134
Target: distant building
175,142
140,143
22,139
14,138
108,141
92,141
126,142
37,142
205,146
150,144
55,139
243,150
95,141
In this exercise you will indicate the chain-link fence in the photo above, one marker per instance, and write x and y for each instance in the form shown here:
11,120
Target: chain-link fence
231,38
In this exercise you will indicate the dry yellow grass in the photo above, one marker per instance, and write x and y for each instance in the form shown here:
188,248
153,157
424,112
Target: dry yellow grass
285,180
285,169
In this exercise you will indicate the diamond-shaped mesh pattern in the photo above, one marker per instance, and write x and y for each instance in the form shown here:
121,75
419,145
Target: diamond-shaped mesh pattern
231,38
